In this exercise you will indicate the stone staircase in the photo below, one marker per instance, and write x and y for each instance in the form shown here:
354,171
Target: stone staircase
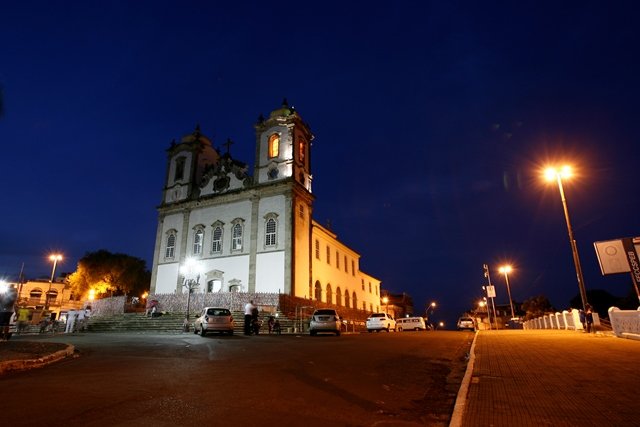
170,323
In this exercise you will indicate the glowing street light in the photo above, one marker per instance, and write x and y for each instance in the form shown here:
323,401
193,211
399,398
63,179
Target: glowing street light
553,174
55,258
191,268
506,269
385,300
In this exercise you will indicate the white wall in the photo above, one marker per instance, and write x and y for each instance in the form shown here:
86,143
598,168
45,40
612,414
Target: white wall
270,272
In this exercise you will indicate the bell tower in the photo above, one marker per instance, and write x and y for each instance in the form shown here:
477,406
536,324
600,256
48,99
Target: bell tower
283,148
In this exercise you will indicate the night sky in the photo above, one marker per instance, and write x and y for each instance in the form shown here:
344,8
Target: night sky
432,121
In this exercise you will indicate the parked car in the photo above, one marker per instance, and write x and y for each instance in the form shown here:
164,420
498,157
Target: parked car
325,320
380,322
466,323
214,319
411,324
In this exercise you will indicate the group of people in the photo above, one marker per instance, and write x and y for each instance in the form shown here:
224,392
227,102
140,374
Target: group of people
252,322
77,320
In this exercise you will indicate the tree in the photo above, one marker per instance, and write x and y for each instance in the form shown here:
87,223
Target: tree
536,307
105,272
600,300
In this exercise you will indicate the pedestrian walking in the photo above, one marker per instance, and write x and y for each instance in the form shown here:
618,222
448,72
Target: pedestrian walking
582,319
248,317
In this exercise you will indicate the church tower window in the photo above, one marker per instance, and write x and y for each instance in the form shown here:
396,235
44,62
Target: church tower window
301,150
216,243
274,145
270,233
179,175
198,237
170,251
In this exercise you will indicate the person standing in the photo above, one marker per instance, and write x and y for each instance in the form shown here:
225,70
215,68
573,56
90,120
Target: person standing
71,321
588,315
80,319
248,317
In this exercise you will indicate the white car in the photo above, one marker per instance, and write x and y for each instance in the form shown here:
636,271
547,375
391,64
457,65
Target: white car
325,320
411,324
380,322
214,319
466,323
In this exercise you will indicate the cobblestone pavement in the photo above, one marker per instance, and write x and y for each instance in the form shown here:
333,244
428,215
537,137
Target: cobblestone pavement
553,378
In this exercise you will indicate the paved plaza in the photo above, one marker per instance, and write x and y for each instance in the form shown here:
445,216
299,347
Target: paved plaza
553,378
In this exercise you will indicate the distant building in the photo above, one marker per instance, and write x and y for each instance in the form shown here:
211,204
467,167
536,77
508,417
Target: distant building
398,305
33,294
235,232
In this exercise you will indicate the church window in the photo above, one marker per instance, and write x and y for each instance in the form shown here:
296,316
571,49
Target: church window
318,292
301,150
317,249
179,174
170,251
329,294
270,233
346,299
236,235
216,243
337,260
198,237
338,296
328,255
274,145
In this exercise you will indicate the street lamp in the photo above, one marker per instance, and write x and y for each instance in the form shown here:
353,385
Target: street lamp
553,174
190,267
506,269
385,300
55,258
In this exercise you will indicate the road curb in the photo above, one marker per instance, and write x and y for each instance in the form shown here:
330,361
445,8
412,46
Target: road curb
461,399
23,365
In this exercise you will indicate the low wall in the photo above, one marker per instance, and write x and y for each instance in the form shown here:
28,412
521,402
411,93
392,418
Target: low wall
625,323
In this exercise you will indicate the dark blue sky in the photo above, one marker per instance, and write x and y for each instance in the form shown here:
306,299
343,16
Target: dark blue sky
432,120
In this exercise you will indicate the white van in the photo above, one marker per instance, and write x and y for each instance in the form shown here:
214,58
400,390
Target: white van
411,324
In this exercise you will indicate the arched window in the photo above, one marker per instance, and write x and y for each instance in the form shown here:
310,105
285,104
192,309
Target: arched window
274,145
216,242
301,150
198,237
338,296
170,251
329,294
179,171
354,300
34,296
347,302
318,292
236,235
270,230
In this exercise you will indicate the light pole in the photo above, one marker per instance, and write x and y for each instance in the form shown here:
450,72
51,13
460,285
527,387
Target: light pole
55,258
385,300
553,174
506,269
190,267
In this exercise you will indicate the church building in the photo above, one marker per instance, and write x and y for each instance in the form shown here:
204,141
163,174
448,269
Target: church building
236,231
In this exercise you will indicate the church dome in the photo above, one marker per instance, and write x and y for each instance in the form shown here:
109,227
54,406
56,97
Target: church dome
283,111
196,135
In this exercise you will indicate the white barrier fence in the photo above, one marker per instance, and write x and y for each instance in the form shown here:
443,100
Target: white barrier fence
625,323
569,320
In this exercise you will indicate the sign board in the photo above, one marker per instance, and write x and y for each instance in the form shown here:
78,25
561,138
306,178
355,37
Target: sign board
612,257
491,291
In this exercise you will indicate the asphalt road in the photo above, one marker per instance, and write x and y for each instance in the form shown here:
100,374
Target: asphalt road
377,379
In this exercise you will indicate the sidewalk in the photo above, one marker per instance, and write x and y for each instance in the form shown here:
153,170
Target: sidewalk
553,378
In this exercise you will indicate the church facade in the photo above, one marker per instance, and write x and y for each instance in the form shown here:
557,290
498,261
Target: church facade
226,230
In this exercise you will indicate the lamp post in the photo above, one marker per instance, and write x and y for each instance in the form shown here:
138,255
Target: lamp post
506,269
553,174
190,268
385,300
55,258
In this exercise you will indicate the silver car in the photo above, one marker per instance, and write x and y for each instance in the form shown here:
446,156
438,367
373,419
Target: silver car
325,320
214,319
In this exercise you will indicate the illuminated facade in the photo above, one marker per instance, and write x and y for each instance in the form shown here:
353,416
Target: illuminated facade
253,233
